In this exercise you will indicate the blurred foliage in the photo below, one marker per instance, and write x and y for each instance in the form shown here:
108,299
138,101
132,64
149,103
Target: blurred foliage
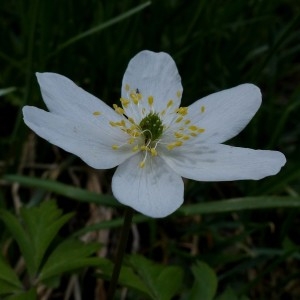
254,254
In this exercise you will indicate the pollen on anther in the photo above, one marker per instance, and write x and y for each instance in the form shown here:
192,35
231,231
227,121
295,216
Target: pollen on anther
170,103
96,113
179,119
115,147
202,109
153,152
150,100
142,164
178,93
124,102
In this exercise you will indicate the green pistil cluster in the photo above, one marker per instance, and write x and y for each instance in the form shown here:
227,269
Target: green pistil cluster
152,127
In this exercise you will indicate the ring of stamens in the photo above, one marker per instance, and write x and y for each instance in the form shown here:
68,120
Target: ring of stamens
146,135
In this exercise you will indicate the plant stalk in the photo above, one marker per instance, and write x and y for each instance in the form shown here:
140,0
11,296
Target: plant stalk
120,252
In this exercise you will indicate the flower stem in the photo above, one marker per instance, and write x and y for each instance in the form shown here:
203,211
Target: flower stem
120,252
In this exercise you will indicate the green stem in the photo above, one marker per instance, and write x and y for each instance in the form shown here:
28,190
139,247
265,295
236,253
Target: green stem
120,252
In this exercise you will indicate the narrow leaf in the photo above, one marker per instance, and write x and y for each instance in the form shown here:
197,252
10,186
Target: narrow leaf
64,190
238,204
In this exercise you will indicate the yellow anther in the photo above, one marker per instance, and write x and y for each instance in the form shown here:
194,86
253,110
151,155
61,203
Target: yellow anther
201,130
170,103
193,134
142,164
96,113
171,146
124,102
115,147
163,112
178,143
113,124
127,87
131,120
182,111
150,100
193,128
144,148
178,135
118,109
187,122
153,152
202,109
131,141
186,137
178,93
135,148
179,119
134,97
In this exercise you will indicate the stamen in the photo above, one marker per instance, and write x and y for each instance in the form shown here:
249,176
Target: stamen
202,109
150,100
96,113
170,103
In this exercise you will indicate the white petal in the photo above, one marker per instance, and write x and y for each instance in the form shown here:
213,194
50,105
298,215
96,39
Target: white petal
91,143
224,163
154,190
63,97
225,113
153,74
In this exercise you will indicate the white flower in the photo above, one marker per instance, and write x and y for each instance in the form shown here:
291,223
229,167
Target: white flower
149,137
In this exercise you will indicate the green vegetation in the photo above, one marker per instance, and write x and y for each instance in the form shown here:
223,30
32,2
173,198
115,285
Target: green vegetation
230,240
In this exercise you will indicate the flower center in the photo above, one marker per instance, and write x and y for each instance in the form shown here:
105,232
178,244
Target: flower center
152,127
145,135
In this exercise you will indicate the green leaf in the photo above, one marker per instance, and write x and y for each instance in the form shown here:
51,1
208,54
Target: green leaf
238,204
104,25
42,224
21,237
69,256
9,282
205,284
228,294
127,278
29,295
64,190
157,277
7,91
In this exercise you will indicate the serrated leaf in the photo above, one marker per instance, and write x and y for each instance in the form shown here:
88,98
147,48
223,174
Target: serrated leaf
42,223
69,256
21,237
157,277
205,284
8,278
28,295
127,278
